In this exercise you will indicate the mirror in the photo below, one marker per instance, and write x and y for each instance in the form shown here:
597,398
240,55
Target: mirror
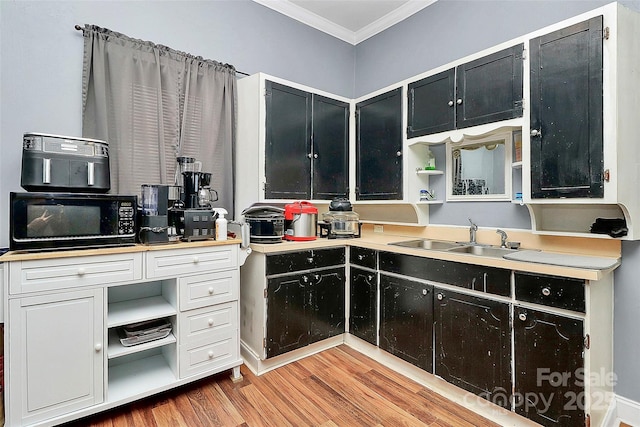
480,168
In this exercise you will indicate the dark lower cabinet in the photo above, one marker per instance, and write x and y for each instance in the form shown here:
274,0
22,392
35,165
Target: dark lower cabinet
304,308
473,344
406,319
363,298
549,363
326,302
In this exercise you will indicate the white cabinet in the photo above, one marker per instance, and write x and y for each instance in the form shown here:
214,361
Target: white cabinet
64,355
55,355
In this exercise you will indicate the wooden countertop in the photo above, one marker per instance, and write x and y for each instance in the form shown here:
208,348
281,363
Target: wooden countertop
381,242
25,256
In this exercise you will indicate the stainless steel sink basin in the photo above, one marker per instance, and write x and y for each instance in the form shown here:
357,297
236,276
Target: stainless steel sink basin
437,245
489,251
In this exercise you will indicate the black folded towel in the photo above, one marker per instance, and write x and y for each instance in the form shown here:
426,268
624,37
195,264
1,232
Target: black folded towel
614,227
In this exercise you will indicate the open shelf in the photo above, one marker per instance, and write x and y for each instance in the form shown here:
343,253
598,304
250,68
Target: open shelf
429,172
139,310
139,376
116,349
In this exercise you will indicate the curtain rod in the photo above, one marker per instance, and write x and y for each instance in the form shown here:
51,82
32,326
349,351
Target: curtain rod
79,28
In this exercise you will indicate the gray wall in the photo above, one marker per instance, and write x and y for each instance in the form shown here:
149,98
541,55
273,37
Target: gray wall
41,62
40,74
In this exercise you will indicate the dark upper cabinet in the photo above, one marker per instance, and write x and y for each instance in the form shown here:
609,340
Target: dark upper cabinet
566,112
363,318
549,377
486,90
379,147
406,318
288,143
431,104
330,163
473,344
307,144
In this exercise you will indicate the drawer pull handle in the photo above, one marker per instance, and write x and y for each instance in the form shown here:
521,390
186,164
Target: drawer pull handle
98,347
310,260
211,290
210,322
360,257
546,292
81,271
196,260
210,354
522,316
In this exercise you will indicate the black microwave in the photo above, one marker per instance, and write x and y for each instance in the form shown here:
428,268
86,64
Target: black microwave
50,221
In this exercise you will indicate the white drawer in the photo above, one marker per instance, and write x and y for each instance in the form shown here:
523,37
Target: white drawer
175,262
196,325
61,273
202,290
208,355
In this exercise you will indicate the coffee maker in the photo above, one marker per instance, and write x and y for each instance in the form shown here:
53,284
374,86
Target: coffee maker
192,217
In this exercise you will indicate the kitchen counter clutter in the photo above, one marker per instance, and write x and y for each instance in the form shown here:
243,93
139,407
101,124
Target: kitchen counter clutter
475,328
66,311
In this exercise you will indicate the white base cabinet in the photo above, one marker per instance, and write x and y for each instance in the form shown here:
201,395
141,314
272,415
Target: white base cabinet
64,356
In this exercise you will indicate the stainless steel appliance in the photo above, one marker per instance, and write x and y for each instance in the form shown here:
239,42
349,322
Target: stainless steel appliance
52,163
51,221
266,223
340,222
300,221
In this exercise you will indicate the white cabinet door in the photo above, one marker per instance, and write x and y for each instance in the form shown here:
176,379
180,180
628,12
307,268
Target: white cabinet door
56,362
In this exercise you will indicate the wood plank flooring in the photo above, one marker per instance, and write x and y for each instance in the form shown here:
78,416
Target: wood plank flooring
337,387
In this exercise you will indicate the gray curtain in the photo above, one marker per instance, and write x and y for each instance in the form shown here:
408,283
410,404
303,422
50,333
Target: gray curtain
152,104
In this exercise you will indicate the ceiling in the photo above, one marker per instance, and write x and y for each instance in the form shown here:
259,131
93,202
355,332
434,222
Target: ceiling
350,20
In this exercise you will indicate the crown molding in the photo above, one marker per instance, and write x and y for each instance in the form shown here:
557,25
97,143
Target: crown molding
392,18
306,17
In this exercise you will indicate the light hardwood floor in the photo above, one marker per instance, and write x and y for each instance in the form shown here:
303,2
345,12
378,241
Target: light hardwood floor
337,387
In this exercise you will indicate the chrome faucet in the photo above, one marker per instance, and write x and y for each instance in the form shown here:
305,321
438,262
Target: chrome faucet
503,238
472,232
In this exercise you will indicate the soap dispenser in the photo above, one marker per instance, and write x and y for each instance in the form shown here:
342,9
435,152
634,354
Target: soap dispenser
430,163
221,224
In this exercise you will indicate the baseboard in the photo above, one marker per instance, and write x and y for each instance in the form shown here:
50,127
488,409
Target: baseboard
622,410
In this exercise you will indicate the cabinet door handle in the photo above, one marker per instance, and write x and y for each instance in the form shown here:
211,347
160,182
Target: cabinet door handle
424,292
211,290
310,155
210,322
535,133
315,156
440,296
546,292
450,103
398,153
459,101
370,277
98,347
522,316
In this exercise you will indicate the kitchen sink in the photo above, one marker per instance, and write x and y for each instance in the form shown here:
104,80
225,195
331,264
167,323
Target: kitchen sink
437,245
457,247
490,251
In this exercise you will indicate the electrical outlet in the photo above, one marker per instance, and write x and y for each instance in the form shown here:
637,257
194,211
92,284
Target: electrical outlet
378,228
